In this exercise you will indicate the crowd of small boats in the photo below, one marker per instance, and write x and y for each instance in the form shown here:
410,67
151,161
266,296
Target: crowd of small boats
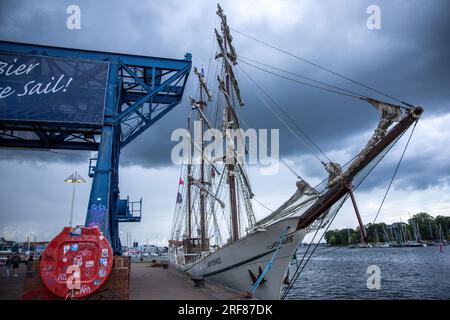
399,244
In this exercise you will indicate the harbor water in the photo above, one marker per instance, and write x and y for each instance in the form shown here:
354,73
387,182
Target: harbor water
405,273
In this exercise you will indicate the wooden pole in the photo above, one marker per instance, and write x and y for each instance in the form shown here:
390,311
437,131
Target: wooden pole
358,216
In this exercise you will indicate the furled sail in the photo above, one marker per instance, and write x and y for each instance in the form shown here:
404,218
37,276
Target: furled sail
389,114
203,85
305,196
227,57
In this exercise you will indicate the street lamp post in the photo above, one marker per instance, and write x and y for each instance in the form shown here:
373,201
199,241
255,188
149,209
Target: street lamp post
74,178
29,241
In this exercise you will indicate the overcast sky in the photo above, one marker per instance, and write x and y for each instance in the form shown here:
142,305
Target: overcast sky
409,58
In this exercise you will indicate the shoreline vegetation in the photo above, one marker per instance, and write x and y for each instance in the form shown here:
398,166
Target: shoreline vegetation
421,229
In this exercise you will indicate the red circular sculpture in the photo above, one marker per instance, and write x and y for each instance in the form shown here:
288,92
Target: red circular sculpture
76,262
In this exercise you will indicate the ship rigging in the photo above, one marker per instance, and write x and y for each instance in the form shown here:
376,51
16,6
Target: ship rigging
217,195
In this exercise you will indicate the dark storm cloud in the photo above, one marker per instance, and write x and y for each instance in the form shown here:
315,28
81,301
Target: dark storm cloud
44,155
408,58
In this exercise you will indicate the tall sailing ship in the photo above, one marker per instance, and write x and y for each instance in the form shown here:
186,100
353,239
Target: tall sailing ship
215,234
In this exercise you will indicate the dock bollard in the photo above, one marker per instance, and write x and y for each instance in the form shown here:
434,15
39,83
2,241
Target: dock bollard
199,282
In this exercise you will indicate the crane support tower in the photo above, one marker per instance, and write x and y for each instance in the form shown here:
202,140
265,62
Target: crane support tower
61,98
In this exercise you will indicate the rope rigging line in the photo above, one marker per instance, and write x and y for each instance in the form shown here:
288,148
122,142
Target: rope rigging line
324,251
242,118
269,263
288,117
291,283
338,90
212,49
292,131
263,205
291,169
303,83
321,67
281,120
395,172
296,275
297,271
283,162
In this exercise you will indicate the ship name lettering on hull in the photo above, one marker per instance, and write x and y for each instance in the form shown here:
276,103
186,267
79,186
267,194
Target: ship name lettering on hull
214,262
288,239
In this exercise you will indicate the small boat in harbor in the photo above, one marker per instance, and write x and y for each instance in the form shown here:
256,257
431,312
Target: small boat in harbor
382,245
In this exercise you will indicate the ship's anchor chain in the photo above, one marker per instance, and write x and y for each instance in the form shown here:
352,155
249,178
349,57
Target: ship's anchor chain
268,266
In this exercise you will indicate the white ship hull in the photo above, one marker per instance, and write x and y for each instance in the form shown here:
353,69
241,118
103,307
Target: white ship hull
233,264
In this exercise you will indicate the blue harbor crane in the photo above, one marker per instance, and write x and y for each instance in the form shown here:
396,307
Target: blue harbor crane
133,92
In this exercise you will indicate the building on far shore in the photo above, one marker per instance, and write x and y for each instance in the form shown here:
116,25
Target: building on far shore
27,247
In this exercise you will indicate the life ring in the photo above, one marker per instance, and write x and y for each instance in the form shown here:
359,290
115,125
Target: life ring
76,262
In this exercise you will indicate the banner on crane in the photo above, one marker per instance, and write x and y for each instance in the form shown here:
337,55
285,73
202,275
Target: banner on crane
52,90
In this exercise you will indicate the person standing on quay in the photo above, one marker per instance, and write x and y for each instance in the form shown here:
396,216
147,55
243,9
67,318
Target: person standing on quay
15,264
6,267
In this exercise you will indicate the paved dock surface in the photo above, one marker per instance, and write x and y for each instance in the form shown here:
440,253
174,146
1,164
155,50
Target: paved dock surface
156,283
11,288
146,283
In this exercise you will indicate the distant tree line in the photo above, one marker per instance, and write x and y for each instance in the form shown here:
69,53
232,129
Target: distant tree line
421,227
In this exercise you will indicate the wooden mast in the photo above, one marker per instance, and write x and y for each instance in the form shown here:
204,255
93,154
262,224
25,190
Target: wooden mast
230,119
189,198
202,177
201,107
